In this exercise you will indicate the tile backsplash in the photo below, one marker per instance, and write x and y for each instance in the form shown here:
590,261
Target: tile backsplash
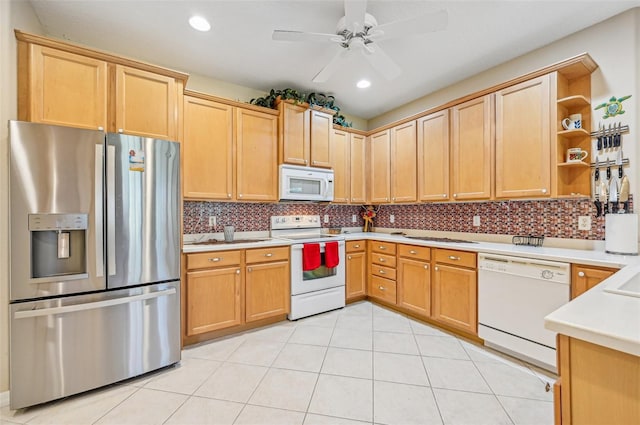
557,218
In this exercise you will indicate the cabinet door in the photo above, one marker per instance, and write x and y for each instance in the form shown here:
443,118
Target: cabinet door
267,290
340,164
471,149
433,157
358,169
213,300
321,132
584,278
356,274
404,185
256,156
414,286
146,104
207,149
66,89
380,172
294,134
455,297
523,140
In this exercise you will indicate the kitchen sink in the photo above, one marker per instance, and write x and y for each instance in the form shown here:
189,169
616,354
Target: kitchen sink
435,239
223,242
629,288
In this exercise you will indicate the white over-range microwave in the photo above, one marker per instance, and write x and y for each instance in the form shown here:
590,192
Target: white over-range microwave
305,183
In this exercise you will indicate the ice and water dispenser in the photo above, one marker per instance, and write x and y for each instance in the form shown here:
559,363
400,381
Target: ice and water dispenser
58,245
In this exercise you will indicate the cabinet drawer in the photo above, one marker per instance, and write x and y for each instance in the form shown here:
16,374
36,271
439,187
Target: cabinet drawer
383,247
267,254
355,246
206,260
456,258
383,289
415,252
383,259
382,271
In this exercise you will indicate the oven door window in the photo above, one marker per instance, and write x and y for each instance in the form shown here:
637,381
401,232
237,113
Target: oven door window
319,273
305,186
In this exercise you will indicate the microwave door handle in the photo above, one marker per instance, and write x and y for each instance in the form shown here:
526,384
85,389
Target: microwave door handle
325,190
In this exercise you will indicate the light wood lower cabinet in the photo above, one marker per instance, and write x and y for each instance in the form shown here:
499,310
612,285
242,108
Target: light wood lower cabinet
598,385
414,285
267,288
356,270
382,271
584,278
214,299
455,290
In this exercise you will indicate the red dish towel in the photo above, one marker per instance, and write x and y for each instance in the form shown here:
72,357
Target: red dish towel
311,256
331,257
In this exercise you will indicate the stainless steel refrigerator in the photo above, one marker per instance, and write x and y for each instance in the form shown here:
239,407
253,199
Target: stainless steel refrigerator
95,259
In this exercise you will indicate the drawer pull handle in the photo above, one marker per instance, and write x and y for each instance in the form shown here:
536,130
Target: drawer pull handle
357,246
381,288
581,274
215,260
381,260
454,258
413,252
382,247
268,254
381,271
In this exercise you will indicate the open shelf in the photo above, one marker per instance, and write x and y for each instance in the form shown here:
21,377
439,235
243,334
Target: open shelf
573,164
576,101
575,132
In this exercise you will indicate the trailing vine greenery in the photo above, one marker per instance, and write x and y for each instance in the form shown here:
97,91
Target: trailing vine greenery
314,99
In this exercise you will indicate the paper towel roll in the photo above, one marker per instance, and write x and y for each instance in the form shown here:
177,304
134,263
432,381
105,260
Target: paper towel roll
621,234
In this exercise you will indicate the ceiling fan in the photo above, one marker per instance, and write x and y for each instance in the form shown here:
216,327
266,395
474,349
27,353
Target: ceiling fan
359,30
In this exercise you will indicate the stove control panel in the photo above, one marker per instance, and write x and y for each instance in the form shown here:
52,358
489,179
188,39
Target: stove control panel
280,222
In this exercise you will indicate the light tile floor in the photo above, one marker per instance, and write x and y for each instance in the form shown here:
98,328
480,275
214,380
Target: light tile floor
361,364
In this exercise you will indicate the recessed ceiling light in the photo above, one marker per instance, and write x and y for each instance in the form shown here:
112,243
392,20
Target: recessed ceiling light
199,23
363,84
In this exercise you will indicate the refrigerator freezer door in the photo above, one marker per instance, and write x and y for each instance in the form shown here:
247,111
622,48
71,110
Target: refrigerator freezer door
143,215
65,346
56,187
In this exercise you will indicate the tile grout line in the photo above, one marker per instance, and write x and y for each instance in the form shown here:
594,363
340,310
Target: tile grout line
118,404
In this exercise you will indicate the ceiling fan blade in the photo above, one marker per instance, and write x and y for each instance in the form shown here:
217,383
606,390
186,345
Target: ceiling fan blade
331,67
354,12
284,35
380,61
430,22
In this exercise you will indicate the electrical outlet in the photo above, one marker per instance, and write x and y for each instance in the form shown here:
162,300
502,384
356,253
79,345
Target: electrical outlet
326,218
354,218
392,218
584,222
476,220
212,221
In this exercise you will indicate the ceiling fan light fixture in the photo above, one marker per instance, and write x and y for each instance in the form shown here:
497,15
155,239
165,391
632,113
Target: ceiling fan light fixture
363,84
199,23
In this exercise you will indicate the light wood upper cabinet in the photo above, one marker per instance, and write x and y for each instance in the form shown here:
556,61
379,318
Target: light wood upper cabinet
433,157
403,163
358,175
584,278
380,167
472,149
321,132
146,103
340,150
214,300
256,156
523,140
208,149
294,133
62,88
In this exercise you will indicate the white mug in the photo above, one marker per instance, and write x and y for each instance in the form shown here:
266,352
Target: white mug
574,121
576,155
228,233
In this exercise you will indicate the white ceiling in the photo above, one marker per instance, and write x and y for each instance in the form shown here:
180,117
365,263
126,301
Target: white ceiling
239,49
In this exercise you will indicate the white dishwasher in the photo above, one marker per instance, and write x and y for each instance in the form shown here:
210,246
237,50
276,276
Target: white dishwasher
514,296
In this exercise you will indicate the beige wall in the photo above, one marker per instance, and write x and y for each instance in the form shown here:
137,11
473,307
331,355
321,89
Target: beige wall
13,14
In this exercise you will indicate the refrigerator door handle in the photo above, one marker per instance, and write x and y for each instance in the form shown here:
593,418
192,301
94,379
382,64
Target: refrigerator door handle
111,210
91,306
98,207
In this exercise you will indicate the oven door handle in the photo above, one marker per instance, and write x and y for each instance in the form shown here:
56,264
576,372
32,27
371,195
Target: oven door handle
322,244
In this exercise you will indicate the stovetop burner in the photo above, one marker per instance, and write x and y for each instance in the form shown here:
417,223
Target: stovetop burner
299,227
